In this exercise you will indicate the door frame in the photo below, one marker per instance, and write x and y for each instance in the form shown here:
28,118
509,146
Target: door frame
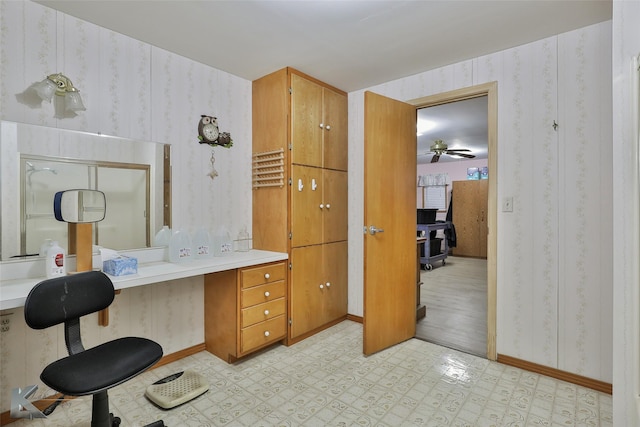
491,91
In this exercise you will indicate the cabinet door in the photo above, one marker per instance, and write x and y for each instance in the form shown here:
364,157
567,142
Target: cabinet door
335,135
336,274
306,119
306,290
306,213
334,200
470,218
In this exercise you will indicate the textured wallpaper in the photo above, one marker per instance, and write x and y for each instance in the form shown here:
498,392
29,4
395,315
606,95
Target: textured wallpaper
130,89
554,301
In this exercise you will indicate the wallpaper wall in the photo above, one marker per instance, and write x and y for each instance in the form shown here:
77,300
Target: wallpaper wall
626,213
555,248
135,90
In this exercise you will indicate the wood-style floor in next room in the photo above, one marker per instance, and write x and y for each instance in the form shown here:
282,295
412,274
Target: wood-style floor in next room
326,381
455,296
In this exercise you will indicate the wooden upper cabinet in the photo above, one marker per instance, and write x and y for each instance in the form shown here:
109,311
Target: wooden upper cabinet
335,126
318,125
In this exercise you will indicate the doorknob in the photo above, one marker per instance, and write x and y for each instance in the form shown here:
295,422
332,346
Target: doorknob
373,230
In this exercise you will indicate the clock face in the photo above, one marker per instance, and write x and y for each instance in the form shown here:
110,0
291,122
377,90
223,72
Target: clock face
210,132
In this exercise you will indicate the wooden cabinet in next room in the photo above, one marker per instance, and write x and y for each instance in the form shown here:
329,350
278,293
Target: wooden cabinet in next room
469,200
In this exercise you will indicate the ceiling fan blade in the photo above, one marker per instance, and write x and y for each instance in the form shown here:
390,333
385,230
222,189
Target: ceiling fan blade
458,149
435,158
466,156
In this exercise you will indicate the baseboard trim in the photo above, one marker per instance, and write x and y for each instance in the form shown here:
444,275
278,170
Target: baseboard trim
5,417
306,335
354,318
557,374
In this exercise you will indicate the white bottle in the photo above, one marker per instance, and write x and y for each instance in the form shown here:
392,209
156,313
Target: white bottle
202,244
55,263
163,237
180,247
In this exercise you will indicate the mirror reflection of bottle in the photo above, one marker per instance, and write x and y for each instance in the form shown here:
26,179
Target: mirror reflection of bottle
55,264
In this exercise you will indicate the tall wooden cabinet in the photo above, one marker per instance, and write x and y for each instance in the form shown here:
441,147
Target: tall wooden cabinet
306,215
470,217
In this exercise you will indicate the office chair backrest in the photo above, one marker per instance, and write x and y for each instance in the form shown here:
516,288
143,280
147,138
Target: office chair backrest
67,298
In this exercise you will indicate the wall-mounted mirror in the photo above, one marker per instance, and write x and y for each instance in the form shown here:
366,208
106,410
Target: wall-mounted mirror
39,161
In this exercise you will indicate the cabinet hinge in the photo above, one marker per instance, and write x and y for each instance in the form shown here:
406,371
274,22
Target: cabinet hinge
290,146
290,236
290,321
290,266
290,90
290,181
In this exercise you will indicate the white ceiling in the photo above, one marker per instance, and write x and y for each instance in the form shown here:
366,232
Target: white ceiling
350,44
460,124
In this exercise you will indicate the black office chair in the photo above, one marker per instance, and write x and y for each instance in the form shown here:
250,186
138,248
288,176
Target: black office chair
95,370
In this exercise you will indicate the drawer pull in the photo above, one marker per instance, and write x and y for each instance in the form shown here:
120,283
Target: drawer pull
266,312
328,284
321,286
266,333
267,275
266,294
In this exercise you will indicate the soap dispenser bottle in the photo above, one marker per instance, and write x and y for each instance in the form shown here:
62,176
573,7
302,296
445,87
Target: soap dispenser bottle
55,261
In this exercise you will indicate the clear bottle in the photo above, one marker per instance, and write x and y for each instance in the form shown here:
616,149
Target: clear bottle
243,240
202,244
163,237
222,244
55,263
180,247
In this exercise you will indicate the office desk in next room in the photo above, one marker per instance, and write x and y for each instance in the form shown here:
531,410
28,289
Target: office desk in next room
428,259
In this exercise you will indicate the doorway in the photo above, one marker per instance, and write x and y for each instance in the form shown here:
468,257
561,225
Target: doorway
490,91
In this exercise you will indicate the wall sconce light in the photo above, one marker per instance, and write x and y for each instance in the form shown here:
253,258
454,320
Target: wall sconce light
60,85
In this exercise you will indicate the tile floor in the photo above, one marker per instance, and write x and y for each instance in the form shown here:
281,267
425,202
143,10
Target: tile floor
326,381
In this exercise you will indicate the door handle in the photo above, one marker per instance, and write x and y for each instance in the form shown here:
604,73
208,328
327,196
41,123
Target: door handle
373,230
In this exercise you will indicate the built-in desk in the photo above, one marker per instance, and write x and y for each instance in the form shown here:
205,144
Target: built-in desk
14,290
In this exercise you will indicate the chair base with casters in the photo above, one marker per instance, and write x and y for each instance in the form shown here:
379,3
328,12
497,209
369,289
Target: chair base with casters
92,371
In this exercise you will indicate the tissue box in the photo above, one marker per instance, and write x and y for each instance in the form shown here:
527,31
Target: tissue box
120,266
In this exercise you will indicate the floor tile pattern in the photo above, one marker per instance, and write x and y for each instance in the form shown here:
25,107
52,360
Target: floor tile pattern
326,381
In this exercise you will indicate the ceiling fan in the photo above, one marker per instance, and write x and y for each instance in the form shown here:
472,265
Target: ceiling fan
439,148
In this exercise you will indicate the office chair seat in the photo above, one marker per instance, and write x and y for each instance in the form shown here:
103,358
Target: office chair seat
87,371
102,367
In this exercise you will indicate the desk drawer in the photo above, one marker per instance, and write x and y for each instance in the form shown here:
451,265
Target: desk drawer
263,333
260,275
261,294
262,312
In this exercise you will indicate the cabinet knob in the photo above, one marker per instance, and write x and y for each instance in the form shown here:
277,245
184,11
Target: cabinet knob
266,294
267,275
328,127
321,125
321,286
328,206
321,206
266,312
266,333
328,284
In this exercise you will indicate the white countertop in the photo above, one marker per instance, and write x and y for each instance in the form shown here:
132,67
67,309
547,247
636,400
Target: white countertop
13,293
